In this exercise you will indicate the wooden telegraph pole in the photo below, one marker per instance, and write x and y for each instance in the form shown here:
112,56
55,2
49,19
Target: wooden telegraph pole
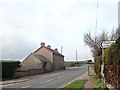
76,56
61,49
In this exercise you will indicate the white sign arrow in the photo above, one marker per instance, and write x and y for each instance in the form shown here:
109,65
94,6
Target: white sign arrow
106,44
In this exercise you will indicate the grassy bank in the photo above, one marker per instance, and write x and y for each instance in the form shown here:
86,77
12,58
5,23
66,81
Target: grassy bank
96,82
5,79
76,85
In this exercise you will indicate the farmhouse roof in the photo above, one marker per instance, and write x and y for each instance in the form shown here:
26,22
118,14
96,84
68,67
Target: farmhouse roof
54,51
49,48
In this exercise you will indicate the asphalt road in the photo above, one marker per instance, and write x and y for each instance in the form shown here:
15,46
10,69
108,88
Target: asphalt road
51,80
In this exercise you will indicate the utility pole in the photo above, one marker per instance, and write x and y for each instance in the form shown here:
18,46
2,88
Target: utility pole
96,20
76,56
61,49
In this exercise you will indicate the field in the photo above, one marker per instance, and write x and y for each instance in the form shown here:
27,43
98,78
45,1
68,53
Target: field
74,63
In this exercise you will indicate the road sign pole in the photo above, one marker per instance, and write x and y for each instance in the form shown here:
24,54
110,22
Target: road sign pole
102,68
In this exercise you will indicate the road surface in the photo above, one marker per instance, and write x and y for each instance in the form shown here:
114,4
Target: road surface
50,80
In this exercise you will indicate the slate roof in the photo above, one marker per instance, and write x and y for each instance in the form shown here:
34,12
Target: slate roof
55,52
51,50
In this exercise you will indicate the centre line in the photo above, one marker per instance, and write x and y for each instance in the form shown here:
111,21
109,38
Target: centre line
46,81
25,87
60,77
53,74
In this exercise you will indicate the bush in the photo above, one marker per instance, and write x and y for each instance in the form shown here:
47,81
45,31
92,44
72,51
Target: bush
112,64
8,68
96,82
97,66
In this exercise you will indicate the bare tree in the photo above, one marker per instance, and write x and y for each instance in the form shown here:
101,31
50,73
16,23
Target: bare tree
118,32
94,42
115,34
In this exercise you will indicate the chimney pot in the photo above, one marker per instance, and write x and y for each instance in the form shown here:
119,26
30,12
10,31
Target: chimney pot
48,46
42,44
56,49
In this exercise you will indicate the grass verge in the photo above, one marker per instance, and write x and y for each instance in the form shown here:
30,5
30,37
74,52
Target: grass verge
76,85
96,82
4,79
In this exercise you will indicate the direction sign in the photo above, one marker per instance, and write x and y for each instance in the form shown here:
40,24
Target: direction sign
106,44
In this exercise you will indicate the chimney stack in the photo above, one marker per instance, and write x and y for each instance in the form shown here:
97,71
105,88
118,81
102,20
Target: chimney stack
42,44
48,46
56,49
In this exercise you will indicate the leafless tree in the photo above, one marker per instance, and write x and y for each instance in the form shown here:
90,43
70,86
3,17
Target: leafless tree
115,34
118,32
94,42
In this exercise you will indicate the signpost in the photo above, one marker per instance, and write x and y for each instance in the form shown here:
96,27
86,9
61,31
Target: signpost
104,45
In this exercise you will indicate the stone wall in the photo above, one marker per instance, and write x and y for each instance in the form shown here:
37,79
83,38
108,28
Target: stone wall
28,73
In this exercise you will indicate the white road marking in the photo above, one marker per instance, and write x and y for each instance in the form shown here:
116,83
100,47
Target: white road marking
60,77
25,87
11,81
73,67
47,81
41,82
6,85
18,82
23,80
11,84
53,74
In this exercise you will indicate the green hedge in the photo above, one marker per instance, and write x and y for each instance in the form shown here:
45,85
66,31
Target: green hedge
112,64
97,66
8,68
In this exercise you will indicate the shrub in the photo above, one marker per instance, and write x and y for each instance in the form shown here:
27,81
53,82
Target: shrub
112,64
97,66
96,83
8,68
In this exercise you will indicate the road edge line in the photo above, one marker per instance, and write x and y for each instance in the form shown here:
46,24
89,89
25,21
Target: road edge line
15,82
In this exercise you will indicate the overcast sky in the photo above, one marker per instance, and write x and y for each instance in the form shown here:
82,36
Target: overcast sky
24,24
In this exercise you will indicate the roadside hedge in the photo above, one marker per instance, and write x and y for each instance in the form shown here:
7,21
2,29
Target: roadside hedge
97,66
8,68
112,64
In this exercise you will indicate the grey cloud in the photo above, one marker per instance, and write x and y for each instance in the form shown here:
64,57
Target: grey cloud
17,49
56,24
